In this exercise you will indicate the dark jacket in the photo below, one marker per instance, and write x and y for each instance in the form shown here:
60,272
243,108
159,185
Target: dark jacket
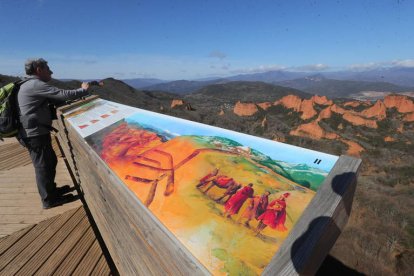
33,101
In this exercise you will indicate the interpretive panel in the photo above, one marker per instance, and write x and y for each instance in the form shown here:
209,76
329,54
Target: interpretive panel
230,198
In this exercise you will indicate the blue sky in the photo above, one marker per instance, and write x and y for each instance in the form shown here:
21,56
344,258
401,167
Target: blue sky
275,150
188,39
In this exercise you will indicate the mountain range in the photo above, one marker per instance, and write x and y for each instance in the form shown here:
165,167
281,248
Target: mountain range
334,84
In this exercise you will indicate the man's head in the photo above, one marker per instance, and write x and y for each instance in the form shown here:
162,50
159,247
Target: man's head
39,68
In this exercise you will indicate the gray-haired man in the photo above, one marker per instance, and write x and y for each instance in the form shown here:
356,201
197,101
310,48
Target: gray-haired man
33,101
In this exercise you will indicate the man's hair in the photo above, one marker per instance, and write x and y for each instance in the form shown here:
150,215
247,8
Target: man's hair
32,64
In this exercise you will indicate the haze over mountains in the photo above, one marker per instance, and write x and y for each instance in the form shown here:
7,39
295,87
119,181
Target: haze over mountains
334,84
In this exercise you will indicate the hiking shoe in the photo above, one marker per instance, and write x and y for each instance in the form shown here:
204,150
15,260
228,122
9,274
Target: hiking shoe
64,190
60,200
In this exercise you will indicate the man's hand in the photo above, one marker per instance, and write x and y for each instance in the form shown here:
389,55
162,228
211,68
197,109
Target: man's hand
85,85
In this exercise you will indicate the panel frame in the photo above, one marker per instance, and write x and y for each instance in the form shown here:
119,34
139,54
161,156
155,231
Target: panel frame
302,252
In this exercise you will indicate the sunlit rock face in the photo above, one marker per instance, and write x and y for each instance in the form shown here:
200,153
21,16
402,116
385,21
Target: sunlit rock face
245,109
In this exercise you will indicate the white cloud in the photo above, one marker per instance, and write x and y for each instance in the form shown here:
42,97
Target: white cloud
382,64
258,69
311,67
404,63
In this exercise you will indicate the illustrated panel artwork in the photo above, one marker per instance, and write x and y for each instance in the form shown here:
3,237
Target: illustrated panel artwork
230,198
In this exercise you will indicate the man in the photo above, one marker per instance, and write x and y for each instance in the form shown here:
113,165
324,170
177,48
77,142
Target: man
234,204
274,216
255,204
33,101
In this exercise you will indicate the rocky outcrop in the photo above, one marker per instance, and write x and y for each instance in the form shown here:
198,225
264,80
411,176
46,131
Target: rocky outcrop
359,121
290,101
175,103
298,105
352,104
321,100
326,113
389,139
354,149
245,109
337,109
378,111
307,109
221,112
403,104
313,130
264,105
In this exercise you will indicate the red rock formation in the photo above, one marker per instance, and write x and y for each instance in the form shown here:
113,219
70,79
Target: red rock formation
359,121
313,130
353,103
354,149
389,139
337,109
402,103
325,114
221,112
307,109
175,103
378,110
321,100
298,105
245,109
290,101
409,117
265,105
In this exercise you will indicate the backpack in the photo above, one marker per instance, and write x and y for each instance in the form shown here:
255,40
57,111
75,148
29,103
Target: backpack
9,117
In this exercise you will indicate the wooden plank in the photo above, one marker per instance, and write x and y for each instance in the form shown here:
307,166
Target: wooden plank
78,252
7,256
48,246
10,228
54,261
101,268
8,242
134,220
90,260
10,197
320,225
30,249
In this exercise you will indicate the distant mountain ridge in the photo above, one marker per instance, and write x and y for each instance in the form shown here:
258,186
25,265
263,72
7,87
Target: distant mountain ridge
333,84
340,88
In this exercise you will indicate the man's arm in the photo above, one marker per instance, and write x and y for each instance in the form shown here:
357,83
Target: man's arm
60,95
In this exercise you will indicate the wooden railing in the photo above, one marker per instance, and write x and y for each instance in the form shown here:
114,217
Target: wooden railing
140,244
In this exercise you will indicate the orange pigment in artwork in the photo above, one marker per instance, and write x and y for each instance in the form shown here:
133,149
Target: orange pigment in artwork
143,161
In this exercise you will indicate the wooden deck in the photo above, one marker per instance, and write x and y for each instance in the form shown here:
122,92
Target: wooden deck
62,245
58,241
20,204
